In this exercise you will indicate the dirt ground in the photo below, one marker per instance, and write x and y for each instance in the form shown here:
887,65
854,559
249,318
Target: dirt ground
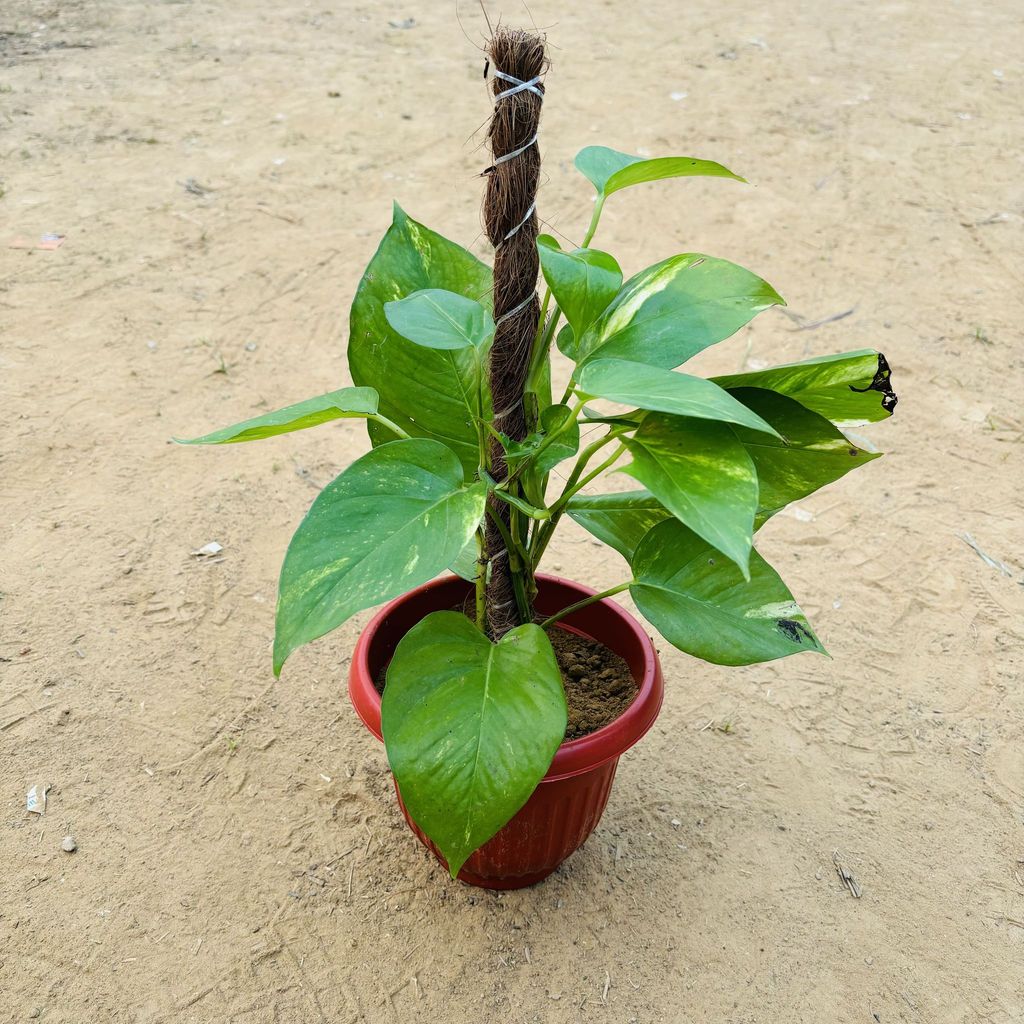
222,172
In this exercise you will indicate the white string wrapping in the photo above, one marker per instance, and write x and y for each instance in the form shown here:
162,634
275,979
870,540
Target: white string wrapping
517,309
517,152
526,217
518,85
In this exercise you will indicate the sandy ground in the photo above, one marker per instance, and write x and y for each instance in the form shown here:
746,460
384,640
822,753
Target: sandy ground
240,854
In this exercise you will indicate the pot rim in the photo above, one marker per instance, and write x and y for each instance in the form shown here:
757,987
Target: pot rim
573,757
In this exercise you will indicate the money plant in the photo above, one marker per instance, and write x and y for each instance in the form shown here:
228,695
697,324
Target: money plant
473,713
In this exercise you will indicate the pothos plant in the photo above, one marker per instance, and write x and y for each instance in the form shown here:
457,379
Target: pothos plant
472,720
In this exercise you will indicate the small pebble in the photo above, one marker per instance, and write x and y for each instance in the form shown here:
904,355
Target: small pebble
69,845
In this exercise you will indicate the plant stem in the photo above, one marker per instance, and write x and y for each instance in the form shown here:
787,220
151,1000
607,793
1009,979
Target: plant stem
517,559
543,537
593,599
595,217
542,322
481,427
566,495
481,583
385,422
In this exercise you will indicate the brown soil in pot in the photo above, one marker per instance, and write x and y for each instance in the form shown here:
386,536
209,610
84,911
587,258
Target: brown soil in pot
598,683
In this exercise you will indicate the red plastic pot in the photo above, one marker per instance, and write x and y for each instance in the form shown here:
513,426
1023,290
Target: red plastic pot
570,799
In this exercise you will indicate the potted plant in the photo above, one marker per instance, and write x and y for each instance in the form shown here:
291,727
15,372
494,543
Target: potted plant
452,370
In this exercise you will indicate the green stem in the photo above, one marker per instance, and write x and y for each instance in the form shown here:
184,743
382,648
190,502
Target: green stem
481,431
593,599
542,322
385,422
481,583
542,343
543,536
595,217
517,502
517,559
515,552
566,495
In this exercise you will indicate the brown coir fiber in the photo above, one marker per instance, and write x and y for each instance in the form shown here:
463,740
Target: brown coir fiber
511,191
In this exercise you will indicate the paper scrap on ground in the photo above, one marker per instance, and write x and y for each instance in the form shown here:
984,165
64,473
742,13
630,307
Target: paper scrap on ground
208,550
36,803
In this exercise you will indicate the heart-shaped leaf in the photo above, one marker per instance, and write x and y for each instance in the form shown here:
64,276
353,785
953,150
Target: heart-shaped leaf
619,520
701,604
849,388
436,318
470,727
391,521
702,474
608,170
671,311
583,281
660,390
346,403
427,392
809,451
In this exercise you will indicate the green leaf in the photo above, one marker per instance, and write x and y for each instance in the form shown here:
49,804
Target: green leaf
852,387
467,563
435,318
391,521
651,387
427,392
566,342
619,520
583,281
702,474
609,170
700,603
470,727
557,439
809,452
675,309
346,403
